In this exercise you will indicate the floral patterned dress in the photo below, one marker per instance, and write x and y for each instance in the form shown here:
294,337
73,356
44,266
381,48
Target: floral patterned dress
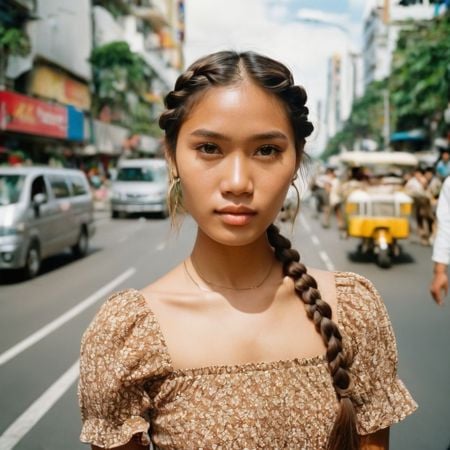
129,389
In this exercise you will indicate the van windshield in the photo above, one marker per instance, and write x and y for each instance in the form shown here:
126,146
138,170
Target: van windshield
141,174
10,188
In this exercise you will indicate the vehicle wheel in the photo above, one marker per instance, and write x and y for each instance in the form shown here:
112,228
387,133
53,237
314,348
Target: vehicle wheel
384,259
81,248
165,213
33,261
114,214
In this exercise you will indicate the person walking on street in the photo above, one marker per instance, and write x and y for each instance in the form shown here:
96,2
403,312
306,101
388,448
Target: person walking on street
441,246
240,345
443,165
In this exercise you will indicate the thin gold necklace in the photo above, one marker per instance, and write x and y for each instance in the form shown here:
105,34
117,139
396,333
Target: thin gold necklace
219,285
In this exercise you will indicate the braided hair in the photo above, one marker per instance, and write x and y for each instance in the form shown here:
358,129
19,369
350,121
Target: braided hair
227,68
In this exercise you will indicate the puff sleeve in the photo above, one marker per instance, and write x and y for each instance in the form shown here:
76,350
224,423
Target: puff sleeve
121,351
380,397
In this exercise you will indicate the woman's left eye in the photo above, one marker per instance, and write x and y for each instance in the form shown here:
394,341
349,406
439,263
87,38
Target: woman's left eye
268,150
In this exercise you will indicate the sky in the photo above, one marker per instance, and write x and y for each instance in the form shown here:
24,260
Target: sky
303,34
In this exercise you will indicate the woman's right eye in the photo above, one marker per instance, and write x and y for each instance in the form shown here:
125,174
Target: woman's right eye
208,148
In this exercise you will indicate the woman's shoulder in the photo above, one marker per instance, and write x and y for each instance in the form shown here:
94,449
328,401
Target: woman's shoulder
124,320
361,308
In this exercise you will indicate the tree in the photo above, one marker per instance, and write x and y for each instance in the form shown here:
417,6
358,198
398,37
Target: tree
420,78
13,42
120,76
365,121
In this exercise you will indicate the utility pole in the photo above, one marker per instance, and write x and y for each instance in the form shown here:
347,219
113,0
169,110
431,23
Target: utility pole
386,119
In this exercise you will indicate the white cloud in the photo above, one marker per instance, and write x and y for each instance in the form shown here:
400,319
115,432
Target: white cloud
238,25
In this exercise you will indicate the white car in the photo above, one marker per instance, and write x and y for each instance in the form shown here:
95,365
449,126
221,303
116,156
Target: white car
140,186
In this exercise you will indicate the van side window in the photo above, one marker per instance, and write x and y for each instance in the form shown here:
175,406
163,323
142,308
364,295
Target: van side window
59,187
38,187
78,186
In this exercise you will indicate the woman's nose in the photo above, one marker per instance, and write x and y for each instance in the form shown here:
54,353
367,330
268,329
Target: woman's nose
237,178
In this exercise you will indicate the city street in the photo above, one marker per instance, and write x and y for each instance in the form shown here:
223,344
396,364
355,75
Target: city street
41,322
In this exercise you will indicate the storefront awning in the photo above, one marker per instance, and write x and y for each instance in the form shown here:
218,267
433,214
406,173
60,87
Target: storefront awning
410,135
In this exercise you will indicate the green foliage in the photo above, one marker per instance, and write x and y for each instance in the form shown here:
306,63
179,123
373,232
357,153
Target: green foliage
143,121
419,87
13,41
365,121
420,78
118,72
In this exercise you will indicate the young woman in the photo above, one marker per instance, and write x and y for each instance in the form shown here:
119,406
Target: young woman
240,346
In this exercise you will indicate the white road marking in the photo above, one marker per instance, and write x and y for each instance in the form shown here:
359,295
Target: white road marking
305,224
55,324
28,419
161,246
326,259
315,240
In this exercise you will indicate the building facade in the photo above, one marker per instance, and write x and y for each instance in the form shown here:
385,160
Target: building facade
48,104
382,24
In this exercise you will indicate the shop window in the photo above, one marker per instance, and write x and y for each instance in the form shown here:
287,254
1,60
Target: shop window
59,187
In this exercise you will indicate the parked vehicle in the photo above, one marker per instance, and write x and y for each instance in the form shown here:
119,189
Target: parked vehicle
140,187
378,213
43,210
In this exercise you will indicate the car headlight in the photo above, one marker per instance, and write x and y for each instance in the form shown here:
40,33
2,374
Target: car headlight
116,195
12,231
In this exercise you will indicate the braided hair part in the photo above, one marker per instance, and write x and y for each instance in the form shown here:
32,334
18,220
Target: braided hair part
344,435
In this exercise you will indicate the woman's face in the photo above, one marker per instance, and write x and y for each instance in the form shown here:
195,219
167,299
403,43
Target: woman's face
236,158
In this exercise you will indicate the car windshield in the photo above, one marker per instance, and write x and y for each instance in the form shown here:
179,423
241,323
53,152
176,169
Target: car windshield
10,188
141,174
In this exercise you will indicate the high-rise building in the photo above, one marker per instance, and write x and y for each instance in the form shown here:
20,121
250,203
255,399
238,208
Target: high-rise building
383,21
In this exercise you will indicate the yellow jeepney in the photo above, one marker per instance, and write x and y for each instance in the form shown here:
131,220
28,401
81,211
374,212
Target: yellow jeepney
378,212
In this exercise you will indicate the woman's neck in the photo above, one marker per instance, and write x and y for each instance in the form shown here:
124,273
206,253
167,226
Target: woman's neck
236,267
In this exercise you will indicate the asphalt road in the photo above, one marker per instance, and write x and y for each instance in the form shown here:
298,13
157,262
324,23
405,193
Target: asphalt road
41,322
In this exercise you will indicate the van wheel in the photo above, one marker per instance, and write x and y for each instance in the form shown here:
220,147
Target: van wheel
114,214
384,259
81,248
33,261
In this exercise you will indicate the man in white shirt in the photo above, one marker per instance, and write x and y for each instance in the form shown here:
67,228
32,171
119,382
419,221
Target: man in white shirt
441,246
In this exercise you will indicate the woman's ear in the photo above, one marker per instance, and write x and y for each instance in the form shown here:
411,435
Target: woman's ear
171,162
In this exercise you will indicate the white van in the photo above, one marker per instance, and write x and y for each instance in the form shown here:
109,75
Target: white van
140,186
43,210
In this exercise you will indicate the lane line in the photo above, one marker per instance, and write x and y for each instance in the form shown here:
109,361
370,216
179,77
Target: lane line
55,324
160,247
305,224
28,419
315,240
326,259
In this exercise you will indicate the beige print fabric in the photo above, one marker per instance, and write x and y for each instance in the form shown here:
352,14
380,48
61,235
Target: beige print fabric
128,387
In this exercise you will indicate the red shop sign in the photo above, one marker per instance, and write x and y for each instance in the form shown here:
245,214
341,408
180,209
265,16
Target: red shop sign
28,115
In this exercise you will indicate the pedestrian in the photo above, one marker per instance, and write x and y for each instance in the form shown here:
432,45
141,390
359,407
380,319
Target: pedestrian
416,188
334,204
221,352
443,164
441,246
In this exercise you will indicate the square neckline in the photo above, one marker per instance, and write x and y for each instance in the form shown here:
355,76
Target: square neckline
315,360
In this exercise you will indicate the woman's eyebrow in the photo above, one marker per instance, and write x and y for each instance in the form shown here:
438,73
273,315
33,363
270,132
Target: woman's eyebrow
202,132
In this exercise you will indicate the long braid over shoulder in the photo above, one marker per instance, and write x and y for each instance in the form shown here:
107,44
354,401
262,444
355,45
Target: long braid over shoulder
227,68
344,435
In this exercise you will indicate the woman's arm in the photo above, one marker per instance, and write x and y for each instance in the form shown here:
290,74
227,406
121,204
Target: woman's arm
376,441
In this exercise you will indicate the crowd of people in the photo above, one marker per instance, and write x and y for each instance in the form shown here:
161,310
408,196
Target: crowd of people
423,185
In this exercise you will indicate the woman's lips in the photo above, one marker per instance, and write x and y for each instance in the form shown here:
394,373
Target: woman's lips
236,218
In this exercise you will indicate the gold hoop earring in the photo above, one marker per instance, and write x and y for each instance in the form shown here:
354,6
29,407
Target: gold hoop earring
174,196
297,209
